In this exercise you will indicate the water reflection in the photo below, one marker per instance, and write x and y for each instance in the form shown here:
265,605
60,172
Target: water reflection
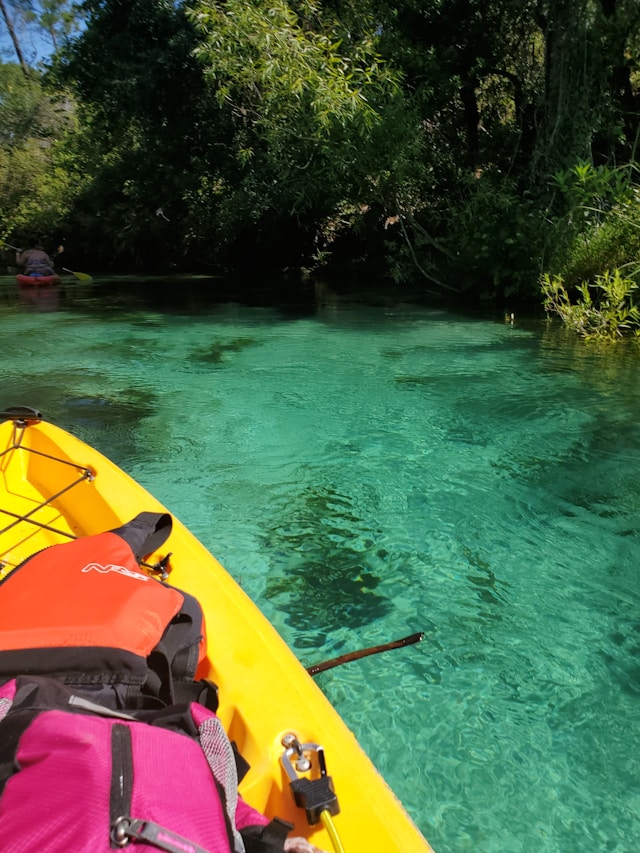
40,297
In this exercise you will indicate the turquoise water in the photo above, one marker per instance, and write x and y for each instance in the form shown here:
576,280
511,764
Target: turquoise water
371,470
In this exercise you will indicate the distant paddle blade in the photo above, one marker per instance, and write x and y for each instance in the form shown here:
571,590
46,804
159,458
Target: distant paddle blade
81,276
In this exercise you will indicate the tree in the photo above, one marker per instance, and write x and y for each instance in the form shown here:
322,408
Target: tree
311,106
588,110
36,181
60,18
152,134
420,135
13,34
57,19
234,119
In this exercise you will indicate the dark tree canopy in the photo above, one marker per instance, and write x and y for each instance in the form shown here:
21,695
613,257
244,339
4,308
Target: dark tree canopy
427,141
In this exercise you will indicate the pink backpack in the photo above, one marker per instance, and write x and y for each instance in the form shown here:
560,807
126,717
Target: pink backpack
76,776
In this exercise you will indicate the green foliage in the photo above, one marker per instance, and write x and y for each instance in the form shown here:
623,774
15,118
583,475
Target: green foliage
152,134
22,106
496,237
603,311
37,186
588,192
465,143
615,243
306,102
597,251
598,224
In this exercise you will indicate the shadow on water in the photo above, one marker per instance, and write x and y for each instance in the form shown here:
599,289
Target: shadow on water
216,353
488,588
327,585
110,298
622,658
87,416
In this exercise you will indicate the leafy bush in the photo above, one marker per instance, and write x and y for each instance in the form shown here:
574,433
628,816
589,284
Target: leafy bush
615,244
37,180
495,237
604,311
595,275
598,227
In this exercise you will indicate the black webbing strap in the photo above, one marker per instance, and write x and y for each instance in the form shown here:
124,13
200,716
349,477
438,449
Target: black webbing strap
266,839
146,532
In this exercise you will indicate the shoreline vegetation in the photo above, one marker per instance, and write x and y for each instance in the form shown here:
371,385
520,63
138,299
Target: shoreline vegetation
485,156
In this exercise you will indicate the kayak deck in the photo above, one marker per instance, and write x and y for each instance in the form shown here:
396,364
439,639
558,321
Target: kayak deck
53,487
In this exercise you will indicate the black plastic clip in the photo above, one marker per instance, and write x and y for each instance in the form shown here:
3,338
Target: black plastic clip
313,795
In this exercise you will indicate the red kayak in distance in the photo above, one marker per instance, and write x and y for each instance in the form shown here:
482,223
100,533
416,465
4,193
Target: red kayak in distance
38,280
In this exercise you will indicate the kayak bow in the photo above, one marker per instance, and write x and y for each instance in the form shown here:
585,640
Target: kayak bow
54,488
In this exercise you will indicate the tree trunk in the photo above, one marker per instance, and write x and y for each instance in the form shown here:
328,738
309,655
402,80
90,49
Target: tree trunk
14,38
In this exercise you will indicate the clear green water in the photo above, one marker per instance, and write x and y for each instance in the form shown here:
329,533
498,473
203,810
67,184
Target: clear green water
367,471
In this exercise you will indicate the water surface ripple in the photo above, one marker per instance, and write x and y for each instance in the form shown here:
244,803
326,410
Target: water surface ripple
370,471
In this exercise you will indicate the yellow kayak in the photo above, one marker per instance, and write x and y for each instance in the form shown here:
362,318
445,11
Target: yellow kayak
54,487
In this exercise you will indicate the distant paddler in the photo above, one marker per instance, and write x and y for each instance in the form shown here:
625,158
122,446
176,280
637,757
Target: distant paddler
36,261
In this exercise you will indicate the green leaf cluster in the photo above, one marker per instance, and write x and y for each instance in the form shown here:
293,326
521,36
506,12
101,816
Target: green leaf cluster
307,103
598,250
605,310
36,185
